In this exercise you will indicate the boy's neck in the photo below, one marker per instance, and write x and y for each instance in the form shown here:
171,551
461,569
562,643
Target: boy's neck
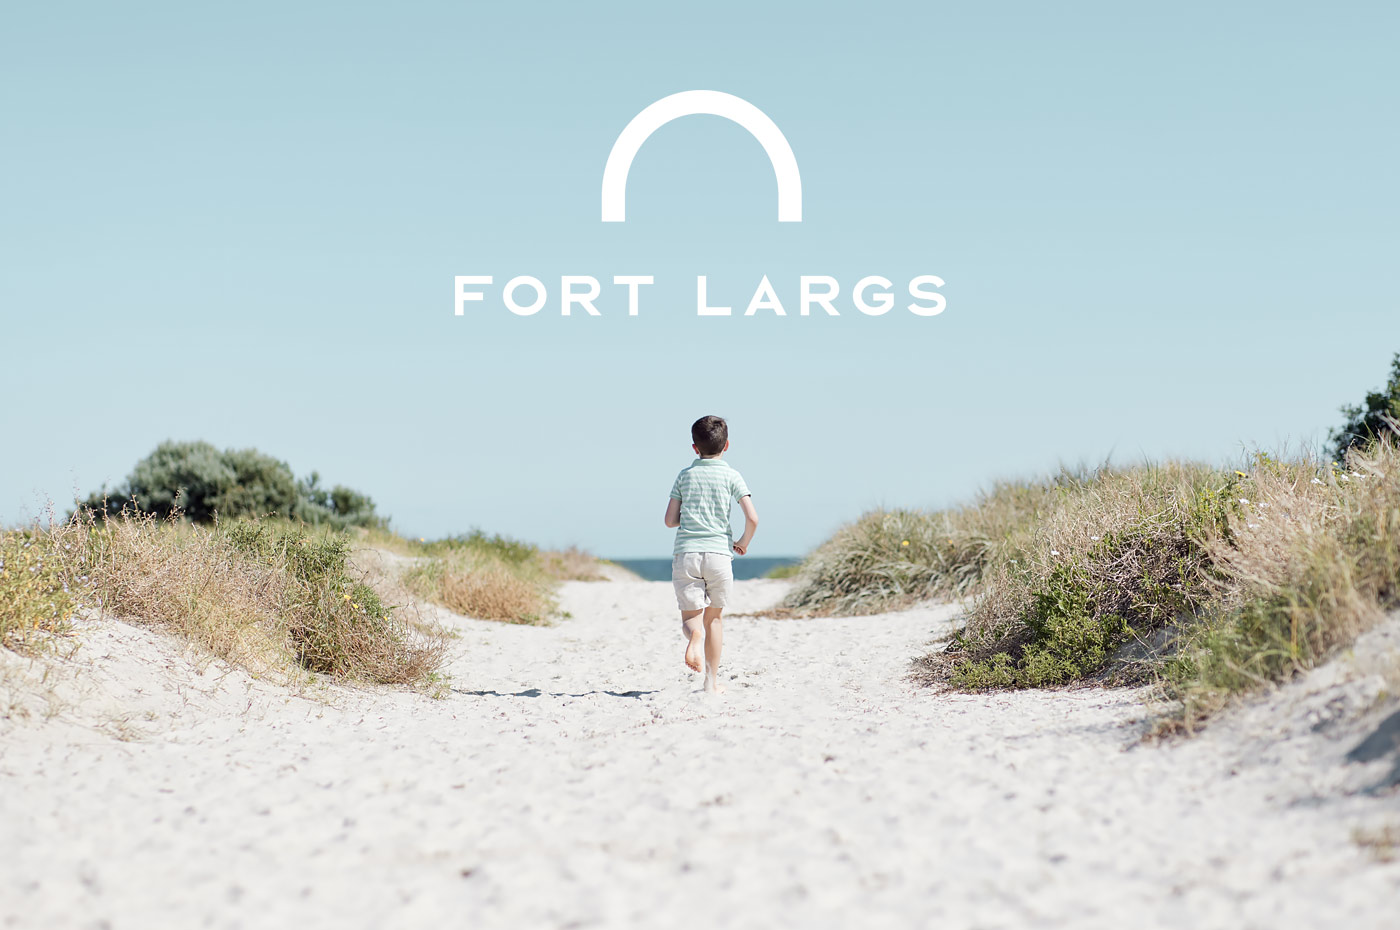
711,458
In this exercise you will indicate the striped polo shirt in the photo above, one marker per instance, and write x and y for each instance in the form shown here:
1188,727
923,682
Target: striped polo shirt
706,490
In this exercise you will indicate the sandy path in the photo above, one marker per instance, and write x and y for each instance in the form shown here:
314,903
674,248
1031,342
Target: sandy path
576,777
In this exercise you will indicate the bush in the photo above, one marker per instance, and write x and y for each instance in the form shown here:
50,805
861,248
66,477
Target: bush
1119,557
337,624
200,482
339,506
1378,416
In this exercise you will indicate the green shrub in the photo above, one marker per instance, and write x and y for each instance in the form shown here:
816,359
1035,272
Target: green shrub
337,623
201,482
1377,416
338,506
1119,557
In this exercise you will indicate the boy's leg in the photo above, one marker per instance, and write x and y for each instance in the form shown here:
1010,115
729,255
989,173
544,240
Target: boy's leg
714,645
693,629
690,598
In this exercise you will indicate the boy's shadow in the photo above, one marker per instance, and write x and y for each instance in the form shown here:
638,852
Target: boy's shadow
536,692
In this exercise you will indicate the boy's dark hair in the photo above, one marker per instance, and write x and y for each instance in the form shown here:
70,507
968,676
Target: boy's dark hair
709,435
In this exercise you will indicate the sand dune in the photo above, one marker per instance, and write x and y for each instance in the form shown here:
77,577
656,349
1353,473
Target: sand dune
575,776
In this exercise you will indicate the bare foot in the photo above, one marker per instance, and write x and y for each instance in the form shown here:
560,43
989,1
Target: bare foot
695,651
713,685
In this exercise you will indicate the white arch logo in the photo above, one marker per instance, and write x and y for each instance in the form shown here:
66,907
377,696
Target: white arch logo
701,102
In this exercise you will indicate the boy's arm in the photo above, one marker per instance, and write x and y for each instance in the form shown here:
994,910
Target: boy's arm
741,546
673,512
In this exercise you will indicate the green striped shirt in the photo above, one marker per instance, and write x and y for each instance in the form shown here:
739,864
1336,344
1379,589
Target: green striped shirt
706,490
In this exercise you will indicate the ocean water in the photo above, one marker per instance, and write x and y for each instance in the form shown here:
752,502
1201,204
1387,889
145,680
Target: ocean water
745,567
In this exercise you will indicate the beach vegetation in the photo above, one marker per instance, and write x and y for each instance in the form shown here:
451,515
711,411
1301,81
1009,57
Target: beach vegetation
1376,416
1204,581
38,594
265,595
488,576
202,483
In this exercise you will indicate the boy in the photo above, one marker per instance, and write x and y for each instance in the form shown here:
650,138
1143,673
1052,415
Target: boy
701,570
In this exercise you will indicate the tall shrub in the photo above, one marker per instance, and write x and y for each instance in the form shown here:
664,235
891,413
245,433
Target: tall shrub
1377,416
202,482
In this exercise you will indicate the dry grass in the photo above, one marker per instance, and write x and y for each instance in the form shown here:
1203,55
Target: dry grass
1382,843
1309,559
262,596
1208,581
37,598
191,583
891,558
479,585
571,564
494,577
1117,558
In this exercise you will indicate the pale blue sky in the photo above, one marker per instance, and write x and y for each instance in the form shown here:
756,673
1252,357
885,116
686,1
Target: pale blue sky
1165,230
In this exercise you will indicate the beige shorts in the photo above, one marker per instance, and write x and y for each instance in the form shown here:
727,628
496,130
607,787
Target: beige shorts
702,579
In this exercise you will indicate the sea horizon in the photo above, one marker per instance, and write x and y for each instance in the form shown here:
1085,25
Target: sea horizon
745,567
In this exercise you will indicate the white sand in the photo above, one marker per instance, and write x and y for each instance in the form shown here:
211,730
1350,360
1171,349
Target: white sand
825,790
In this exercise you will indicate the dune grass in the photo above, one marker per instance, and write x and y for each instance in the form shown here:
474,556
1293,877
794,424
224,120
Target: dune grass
37,597
1206,581
1310,558
891,558
493,577
269,596
272,595
1118,558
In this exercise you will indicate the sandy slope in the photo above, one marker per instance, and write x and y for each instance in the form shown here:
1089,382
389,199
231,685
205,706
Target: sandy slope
576,777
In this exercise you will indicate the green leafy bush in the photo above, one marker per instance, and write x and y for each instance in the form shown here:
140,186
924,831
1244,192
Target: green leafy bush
201,482
1377,416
